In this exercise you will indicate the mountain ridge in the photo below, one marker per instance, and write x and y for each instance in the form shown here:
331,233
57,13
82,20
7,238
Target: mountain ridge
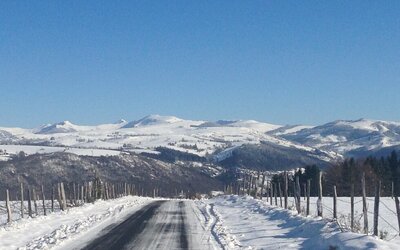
330,141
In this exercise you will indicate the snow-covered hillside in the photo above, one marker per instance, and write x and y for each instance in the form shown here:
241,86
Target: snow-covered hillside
202,138
146,134
344,136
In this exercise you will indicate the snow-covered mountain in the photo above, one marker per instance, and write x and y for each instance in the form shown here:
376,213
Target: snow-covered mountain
153,120
61,127
329,141
348,136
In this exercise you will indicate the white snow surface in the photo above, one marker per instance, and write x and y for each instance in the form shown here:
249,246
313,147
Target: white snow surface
246,223
68,229
233,222
145,134
335,139
344,135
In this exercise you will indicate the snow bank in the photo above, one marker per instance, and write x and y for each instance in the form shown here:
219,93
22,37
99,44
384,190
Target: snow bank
248,223
69,229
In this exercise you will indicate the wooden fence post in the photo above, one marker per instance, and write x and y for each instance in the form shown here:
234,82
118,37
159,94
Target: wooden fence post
319,201
334,202
255,187
392,189
52,199
376,207
249,186
308,196
271,192
29,203
396,200
59,196
280,193
262,186
78,194
352,207
365,209
74,194
82,194
297,194
44,199
63,197
34,200
285,189
8,206
22,200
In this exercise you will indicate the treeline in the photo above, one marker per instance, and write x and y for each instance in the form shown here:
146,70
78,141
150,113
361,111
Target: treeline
310,172
383,169
343,175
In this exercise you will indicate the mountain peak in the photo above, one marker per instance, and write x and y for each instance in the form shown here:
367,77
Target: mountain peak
60,127
120,121
153,120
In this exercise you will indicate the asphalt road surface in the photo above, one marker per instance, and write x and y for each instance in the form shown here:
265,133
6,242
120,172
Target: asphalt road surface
159,225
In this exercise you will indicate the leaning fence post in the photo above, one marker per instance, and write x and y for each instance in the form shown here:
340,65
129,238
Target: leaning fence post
22,200
396,200
376,207
319,201
334,202
8,206
365,209
63,197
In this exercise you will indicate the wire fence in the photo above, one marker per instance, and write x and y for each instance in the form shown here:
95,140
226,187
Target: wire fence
387,218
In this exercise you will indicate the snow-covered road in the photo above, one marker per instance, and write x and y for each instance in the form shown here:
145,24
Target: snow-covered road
225,222
159,225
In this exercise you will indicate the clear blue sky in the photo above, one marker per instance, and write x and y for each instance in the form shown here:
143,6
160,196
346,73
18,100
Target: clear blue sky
284,62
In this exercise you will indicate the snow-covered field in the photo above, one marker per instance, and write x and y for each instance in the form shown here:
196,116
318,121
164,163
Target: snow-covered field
246,223
65,230
387,222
